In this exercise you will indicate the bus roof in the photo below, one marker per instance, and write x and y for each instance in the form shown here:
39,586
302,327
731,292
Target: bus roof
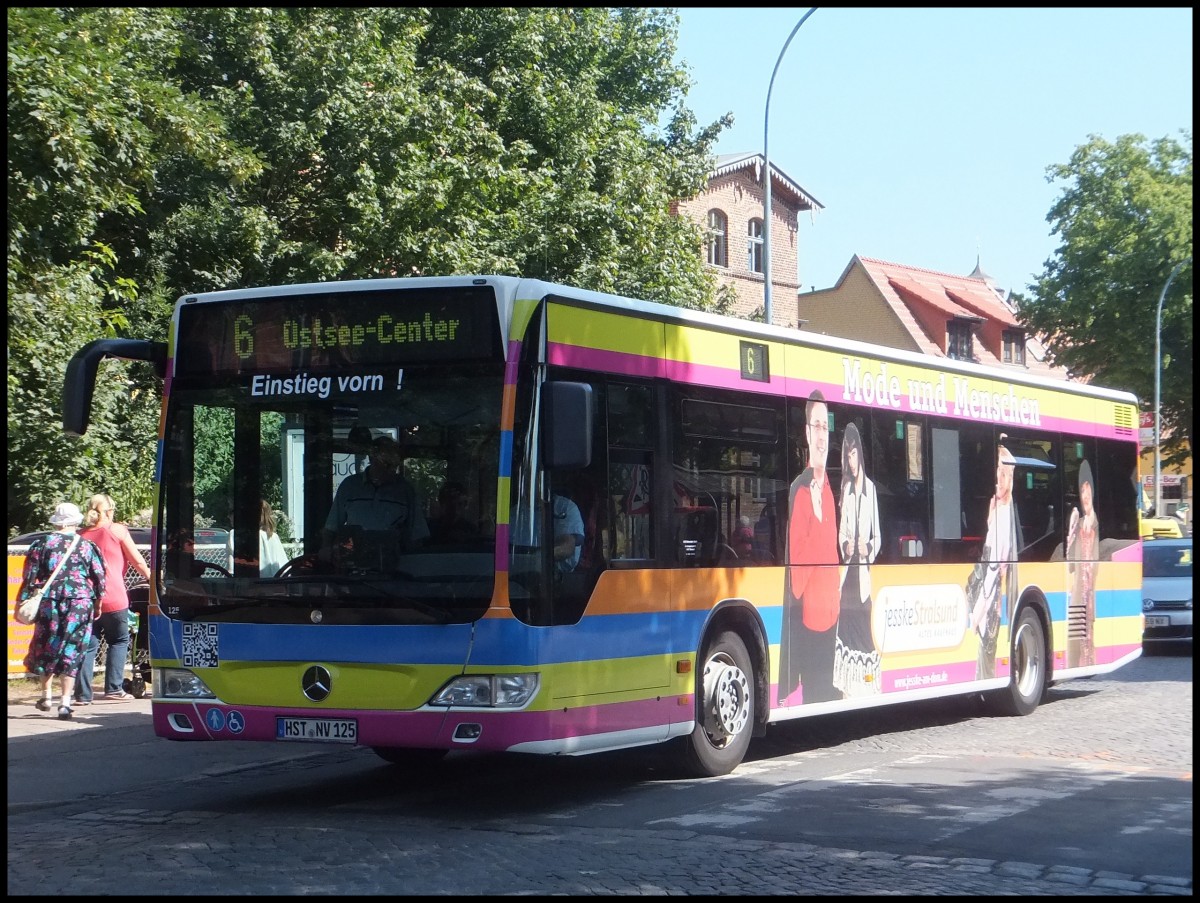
511,289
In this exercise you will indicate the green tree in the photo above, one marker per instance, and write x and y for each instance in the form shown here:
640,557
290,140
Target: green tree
419,141
155,152
1125,221
91,119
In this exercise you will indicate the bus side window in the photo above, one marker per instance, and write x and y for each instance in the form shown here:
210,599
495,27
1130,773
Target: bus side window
978,452
727,459
899,464
631,441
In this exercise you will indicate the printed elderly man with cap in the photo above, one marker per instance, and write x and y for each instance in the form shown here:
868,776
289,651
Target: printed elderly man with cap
70,603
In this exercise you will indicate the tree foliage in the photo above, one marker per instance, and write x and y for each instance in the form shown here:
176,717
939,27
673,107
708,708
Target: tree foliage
155,152
90,120
1125,221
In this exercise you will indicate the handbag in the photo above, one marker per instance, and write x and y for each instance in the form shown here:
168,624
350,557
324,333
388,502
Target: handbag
26,612
974,587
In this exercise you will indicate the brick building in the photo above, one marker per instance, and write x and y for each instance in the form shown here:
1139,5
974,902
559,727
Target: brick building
731,211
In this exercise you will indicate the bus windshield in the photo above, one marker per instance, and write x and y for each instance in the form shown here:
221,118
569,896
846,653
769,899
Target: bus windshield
359,490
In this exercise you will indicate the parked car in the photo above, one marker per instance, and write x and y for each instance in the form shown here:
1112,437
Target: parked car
208,536
211,536
1159,527
141,537
1167,589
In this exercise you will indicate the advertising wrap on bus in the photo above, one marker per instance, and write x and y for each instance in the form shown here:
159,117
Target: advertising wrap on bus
523,516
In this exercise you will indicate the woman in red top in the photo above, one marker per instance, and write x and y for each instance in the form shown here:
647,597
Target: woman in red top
119,552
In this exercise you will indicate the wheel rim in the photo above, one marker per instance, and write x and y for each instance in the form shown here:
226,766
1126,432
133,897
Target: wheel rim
726,700
1027,661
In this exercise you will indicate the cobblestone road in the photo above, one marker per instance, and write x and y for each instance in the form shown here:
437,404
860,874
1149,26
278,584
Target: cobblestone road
332,823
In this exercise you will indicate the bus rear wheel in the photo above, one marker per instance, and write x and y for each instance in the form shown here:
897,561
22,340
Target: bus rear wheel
1027,681
725,714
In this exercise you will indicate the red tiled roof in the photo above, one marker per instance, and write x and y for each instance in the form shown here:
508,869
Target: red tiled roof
932,297
982,302
910,290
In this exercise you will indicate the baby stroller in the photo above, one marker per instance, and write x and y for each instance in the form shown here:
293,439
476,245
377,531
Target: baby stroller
139,647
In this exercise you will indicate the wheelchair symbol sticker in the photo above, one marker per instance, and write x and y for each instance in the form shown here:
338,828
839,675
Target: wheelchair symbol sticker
215,719
237,723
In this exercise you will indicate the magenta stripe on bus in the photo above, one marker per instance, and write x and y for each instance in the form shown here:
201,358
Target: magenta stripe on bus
724,377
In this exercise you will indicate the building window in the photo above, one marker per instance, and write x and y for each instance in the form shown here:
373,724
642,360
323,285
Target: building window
1014,346
754,246
718,247
958,340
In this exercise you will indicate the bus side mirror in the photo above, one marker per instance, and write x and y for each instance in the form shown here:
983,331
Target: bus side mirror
80,381
567,425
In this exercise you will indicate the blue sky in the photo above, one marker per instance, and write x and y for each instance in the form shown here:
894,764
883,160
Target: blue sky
927,133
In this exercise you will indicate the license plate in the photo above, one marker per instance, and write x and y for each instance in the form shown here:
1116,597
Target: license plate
1158,621
320,730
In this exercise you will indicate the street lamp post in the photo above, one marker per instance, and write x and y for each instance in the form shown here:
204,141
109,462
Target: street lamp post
767,175
1158,388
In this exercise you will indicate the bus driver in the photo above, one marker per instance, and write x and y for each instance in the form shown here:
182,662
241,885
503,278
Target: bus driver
379,499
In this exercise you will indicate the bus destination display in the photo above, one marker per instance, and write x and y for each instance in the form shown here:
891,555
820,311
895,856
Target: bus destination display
336,330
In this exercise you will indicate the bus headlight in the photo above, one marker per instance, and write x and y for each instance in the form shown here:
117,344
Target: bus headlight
509,691
178,683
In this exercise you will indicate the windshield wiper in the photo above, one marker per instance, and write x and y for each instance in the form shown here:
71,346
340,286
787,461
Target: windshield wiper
203,610
341,592
383,586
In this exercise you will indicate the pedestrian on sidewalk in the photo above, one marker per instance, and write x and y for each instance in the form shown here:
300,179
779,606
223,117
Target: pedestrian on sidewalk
119,552
63,629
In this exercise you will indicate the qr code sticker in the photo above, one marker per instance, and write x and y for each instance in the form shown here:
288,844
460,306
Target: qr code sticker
200,646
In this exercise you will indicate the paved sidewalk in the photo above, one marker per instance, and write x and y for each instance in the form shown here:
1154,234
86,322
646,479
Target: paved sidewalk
26,721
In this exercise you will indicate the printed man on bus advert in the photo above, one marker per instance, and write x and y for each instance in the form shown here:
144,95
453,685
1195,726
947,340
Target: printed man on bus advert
811,596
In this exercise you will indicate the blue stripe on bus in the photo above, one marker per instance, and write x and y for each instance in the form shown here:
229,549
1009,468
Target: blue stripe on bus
1110,603
508,642
506,445
497,641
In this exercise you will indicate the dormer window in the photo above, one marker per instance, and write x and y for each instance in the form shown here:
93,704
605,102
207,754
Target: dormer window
958,340
754,246
718,241
1014,346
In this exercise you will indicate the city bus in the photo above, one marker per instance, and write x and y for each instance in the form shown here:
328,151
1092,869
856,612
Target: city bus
761,524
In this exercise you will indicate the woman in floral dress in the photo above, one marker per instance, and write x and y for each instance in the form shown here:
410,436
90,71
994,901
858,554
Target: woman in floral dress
63,627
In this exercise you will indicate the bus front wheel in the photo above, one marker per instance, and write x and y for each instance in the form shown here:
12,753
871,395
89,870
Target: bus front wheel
412,757
1027,682
725,714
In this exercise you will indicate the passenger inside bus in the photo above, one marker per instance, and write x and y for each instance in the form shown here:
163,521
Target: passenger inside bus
271,554
568,532
452,526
